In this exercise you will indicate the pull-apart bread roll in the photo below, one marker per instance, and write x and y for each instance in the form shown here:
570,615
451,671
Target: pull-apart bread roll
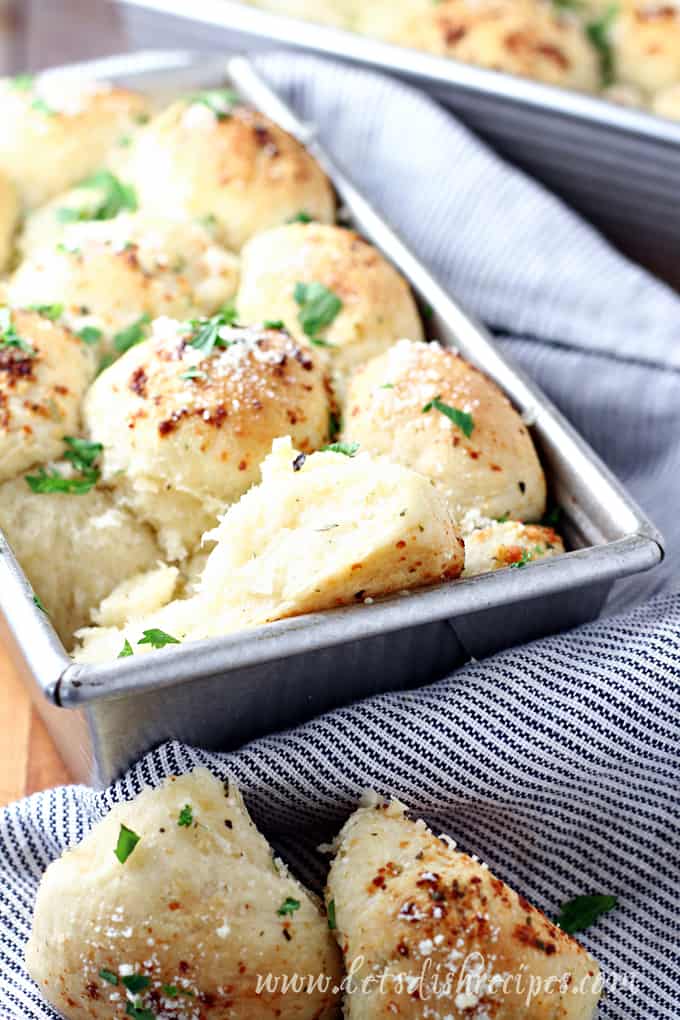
330,285
530,38
645,38
319,532
112,278
186,418
427,408
57,129
172,906
211,157
44,373
9,217
508,544
75,548
430,933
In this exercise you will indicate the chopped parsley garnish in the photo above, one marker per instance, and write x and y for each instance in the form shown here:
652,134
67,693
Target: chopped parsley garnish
108,976
523,560
186,816
135,982
41,106
582,912
157,638
301,217
274,324
52,312
116,198
220,102
349,449
289,906
387,386
206,336
318,309
460,418
22,82
331,915
126,650
193,373
503,520
334,424
131,335
89,334
170,991
82,454
38,602
428,311
139,1012
9,336
553,517
598,33
127,841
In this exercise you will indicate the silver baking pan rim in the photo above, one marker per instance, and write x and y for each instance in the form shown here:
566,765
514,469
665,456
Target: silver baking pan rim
438,73
622,539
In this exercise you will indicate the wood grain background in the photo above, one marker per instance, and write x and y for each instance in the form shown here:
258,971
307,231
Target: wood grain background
36,34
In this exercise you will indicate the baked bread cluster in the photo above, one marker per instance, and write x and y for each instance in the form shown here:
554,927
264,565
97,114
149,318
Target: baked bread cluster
174,905
628,51
218,408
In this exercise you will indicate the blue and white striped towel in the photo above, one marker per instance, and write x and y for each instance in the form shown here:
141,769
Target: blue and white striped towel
558,762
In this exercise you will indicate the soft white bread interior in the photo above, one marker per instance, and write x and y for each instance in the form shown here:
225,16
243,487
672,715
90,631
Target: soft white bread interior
410,911
74,548
187,417
184,925
423,406
319,532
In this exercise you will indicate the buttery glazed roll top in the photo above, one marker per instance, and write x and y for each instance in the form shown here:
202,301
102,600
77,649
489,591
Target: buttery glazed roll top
45,371
186,417
287,274
412,913
530,38
211,157
58,128
424,406
109,275
184,924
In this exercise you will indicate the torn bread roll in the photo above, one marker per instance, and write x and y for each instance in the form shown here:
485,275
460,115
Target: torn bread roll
411,913
508,544
319,532
172,905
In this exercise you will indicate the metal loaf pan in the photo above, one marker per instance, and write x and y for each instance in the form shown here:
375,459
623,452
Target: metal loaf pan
616,166
220,693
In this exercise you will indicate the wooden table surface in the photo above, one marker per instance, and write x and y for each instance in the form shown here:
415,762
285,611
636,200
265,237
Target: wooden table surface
36,34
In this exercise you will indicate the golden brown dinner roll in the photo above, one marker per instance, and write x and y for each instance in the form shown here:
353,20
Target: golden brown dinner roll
74,548
211,157
666,103
530,38
186,418
329,284
113,277
508,544
58,128
425,407
174,903
9,218
413,915
645,38
44,373
327,530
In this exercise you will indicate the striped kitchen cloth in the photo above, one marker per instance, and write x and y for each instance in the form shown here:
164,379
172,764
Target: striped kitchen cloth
557,763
